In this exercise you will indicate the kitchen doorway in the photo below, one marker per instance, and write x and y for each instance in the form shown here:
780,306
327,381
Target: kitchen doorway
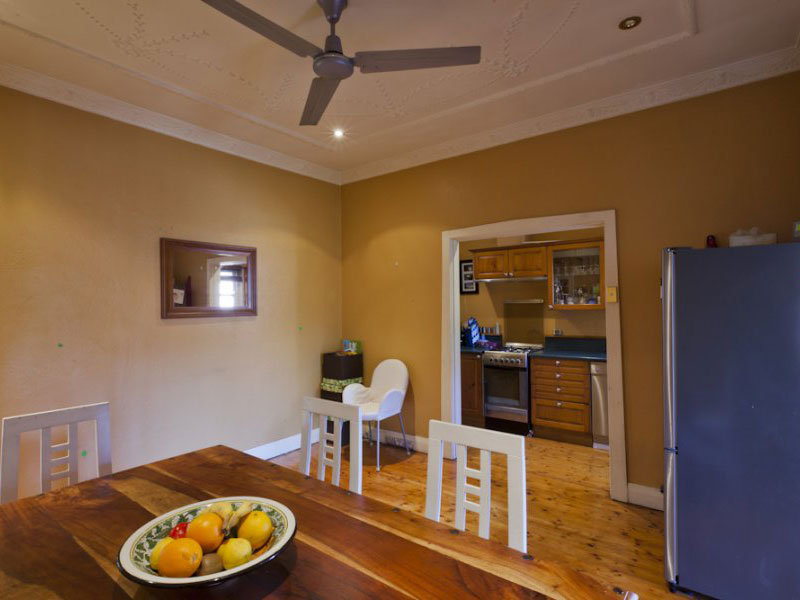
451,320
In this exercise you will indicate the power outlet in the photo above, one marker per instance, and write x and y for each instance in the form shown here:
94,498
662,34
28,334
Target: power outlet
557,332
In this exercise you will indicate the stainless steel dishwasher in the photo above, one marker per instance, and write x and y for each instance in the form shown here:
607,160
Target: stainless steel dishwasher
599,403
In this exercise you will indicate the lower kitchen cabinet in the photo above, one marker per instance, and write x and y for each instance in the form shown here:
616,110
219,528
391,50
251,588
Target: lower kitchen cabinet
472,390
561,400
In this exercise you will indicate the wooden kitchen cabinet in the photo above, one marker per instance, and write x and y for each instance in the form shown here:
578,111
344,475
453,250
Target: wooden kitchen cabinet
472,389
527,262
513,262
561,400
575,277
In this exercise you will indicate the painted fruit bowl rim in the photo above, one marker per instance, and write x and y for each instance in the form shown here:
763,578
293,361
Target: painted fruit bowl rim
134,572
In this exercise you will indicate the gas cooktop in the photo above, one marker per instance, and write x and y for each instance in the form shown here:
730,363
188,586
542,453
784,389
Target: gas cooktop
511,356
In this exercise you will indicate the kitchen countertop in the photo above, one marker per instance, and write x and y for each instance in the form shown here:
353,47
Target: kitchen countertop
472,350
570,355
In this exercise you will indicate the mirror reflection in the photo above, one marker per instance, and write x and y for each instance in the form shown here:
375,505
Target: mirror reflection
204,279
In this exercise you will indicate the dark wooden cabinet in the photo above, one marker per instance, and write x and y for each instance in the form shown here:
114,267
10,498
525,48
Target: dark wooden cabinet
472,390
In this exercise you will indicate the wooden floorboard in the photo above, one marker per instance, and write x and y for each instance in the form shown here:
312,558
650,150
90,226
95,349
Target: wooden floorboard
571,518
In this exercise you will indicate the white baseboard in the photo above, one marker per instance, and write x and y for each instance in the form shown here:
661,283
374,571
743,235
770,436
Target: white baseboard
395,438
645,496
278,447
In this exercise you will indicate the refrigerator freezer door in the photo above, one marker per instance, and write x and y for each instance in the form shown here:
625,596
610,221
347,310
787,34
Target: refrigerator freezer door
737,421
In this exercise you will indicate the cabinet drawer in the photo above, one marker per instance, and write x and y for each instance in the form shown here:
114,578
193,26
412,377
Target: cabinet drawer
558,375
576,366
583,396
579,398
558,414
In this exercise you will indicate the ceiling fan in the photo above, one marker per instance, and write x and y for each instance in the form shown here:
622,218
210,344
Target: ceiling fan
331,65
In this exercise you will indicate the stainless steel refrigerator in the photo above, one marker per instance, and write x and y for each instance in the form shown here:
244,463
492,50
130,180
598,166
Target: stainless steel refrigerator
732,420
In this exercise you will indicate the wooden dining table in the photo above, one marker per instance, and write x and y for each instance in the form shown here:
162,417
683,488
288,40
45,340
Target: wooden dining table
64,544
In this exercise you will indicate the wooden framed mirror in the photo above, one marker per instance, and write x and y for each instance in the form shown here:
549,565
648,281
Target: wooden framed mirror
201,279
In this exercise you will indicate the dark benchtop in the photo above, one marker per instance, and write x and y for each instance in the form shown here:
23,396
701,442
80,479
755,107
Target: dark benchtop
471,350
573,348
568,348
570,355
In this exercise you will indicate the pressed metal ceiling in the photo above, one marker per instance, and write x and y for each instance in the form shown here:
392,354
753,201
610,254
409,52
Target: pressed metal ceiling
184,60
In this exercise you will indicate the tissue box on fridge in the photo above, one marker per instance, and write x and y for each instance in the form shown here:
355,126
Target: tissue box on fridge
751,238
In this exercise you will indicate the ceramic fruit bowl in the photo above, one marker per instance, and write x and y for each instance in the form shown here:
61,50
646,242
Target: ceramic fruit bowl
134,556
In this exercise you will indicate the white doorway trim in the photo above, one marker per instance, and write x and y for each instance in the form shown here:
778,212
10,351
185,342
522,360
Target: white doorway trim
451,326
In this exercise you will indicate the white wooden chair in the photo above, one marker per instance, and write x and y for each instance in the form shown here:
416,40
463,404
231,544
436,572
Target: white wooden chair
330,444
383,399
513,446
13,427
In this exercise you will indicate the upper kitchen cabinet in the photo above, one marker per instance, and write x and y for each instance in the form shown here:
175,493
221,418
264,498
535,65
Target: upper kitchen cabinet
575,278
490,264
515,262
527,262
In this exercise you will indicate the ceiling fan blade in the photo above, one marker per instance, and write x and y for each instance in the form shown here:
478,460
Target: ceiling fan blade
271,31
423,58
319,96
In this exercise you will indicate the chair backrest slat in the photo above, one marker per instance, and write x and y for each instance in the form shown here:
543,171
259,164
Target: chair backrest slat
14,427
339,413
513,446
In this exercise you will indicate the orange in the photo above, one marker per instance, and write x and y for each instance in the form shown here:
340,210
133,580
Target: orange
206,530
156,553
180,558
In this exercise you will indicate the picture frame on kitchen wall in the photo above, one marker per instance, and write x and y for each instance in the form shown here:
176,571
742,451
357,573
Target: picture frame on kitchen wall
468,283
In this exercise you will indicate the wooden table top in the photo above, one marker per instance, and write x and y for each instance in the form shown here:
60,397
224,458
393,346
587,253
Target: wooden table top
64,543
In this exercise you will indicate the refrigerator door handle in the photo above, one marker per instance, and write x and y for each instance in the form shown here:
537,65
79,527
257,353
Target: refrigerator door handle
670,442
668,335
670,534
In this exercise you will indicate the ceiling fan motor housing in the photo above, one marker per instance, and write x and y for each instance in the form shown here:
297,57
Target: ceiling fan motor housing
333,64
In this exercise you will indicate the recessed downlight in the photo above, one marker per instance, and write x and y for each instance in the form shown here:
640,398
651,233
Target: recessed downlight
630,23
338,133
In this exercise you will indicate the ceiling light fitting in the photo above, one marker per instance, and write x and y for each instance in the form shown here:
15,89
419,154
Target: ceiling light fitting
629,23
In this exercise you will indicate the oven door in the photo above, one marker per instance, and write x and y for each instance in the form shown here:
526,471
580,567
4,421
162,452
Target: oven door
506,393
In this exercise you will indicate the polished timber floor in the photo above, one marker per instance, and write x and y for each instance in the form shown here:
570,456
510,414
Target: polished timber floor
571,518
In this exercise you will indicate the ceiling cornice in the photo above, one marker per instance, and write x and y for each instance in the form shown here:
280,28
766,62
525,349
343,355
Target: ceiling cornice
697,84
683,88
50,88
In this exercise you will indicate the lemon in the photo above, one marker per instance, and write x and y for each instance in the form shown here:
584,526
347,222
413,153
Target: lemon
156,553
256,529
235,552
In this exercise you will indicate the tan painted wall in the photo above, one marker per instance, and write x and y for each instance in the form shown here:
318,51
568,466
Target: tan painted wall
83,203
674,174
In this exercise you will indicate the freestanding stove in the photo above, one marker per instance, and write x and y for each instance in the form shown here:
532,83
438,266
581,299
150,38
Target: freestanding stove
506,380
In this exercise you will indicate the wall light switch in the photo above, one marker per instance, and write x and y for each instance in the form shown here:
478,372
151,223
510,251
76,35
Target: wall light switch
611,295
796,229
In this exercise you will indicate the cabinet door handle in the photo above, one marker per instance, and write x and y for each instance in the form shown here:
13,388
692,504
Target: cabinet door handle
558,389
511,274
559,403
558,362
558,375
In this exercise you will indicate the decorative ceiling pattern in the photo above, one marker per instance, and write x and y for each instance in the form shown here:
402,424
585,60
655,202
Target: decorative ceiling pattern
182,68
